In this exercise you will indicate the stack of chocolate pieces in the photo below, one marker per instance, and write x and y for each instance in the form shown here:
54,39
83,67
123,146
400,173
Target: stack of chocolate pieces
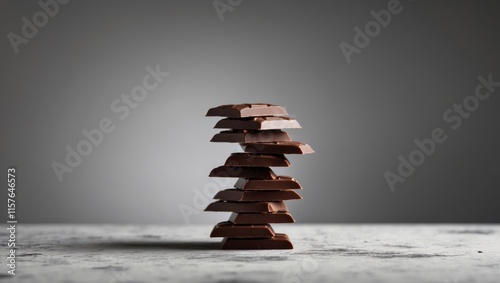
259,195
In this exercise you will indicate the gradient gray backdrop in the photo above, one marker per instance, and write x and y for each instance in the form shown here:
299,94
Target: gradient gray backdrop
358,117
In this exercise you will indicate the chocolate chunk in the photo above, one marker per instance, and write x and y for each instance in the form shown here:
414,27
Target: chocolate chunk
257,160
243,172
280,241
228,229
247,110
290,147
246,196
244,136
261,218
279,183
258,207
258,123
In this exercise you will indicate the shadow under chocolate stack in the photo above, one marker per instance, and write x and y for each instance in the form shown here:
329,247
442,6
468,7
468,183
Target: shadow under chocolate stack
258,196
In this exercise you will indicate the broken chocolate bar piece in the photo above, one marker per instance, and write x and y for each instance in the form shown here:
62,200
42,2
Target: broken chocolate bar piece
228,229
256,207
249,196
244,136
279,241
257,160
289,147
243,172
261,218
258,123
247,110
279,183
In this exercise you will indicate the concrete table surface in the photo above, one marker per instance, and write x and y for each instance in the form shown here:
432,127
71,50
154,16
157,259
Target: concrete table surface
322,253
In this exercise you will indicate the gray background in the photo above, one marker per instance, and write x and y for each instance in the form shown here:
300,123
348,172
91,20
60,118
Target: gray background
358,117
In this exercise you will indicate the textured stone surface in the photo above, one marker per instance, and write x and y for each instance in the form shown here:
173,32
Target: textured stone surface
323,253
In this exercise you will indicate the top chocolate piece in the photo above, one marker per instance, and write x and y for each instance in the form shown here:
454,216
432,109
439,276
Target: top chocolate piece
247,110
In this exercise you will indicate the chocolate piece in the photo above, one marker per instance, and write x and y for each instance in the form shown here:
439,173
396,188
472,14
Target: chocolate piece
279,183
246,196
244,136
228,229
247,110
257,160
243,172
290,147
261,218
257,123
280,241
258,207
